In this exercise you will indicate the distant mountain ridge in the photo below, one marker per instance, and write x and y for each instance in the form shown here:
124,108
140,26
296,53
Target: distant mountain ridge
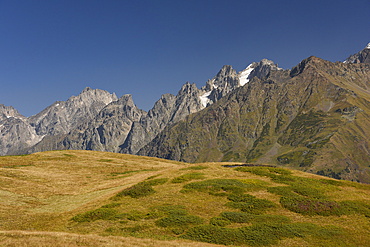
117,125
245,116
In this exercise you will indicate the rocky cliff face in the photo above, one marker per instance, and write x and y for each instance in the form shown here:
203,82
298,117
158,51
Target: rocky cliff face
16,132
20,133
313,118
361,57
63,116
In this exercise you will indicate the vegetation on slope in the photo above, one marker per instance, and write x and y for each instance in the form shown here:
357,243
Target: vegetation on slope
82,192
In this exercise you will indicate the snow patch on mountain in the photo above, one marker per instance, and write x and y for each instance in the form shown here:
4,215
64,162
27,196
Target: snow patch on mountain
243,76
204,98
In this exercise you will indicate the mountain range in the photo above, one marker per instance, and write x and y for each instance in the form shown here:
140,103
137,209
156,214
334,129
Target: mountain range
313,117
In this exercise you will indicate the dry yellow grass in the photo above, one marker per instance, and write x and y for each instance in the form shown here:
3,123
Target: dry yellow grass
62,239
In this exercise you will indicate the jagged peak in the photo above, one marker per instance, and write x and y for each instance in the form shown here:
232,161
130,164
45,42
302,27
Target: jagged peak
86,89
298,69
368,46
226,70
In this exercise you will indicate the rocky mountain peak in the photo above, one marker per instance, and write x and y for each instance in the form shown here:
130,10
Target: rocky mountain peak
8,112
304,64
362,56
263,68
63,116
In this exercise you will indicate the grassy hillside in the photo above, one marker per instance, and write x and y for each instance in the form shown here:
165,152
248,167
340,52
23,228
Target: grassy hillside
85,198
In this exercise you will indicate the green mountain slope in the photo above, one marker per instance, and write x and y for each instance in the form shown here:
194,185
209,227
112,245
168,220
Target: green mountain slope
314,118
86,198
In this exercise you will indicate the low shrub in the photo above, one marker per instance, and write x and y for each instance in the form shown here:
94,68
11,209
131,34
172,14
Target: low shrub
259,234
97,214
141,189
238,217
188,177
214,234
220,221
200,167
242,217
308,206
355,207
112,205
264,171
249,203
136,191
213,186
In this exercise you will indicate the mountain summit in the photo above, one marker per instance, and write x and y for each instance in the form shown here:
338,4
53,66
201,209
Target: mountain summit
362,56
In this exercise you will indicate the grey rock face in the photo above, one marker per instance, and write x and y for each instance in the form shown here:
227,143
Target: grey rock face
19,133
15,131
169,109
361,57
105,132
63,116
8,112
263,69
227,80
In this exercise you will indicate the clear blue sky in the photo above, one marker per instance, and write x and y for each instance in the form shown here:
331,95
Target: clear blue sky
51,50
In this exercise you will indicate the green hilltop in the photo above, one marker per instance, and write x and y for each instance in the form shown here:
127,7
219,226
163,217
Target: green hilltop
88,198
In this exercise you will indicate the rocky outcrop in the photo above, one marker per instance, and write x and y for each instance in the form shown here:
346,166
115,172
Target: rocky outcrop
361,57
19,133
15,130
63,116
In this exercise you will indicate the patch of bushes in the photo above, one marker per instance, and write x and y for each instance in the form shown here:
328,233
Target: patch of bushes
97,214
188,177
112,205
158,181
311,206
259,234
242,217
215,186
220,221
237,217
355,207
200,167
177,216
141,189
249,203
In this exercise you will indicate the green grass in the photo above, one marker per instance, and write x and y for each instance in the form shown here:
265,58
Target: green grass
188,177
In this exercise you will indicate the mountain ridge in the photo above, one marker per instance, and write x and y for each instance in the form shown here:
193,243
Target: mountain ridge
301,110
265,99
